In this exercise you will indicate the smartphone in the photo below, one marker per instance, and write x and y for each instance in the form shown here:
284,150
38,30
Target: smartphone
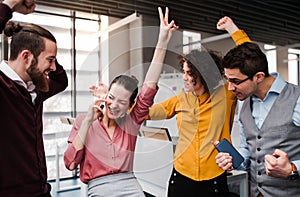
102,105
225,146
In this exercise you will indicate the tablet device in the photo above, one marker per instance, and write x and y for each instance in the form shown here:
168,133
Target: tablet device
226,147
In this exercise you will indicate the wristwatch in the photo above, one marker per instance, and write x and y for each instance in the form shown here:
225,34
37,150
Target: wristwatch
294,174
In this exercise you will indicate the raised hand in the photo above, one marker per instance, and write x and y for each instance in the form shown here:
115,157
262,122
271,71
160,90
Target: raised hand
21,6
166,28
227,24
99,91
165,34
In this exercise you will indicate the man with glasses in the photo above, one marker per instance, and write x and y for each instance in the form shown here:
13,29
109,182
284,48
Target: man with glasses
237,81
270,121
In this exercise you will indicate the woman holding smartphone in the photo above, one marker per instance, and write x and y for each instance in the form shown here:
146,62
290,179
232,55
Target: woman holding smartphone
103,141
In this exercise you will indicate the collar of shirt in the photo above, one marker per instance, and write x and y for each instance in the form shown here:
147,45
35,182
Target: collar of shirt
9,72
276,87
261,108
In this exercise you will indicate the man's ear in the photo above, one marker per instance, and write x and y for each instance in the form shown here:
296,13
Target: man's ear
260,76
27,57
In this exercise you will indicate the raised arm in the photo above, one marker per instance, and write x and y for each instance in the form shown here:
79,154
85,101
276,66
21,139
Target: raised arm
165,34
58,81
226,24
7,7
238,36
21,6
156,65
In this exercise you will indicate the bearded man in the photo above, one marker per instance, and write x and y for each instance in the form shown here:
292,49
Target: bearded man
27,79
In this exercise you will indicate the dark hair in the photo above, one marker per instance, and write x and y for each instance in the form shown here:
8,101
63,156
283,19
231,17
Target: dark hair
130,83
205,65
26,37
247,57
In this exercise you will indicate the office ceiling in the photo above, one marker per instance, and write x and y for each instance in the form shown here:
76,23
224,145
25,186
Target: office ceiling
270,21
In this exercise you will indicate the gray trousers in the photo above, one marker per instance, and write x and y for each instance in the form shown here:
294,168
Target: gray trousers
115,185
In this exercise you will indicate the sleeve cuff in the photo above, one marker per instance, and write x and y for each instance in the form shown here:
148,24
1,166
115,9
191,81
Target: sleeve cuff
297,164
239,37
6,14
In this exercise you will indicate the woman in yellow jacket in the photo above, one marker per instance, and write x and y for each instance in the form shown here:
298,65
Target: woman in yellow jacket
205,112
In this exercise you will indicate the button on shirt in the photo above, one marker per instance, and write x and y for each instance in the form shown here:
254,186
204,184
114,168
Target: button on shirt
260,111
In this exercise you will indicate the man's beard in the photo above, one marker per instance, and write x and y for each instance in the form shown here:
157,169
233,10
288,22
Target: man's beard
38,77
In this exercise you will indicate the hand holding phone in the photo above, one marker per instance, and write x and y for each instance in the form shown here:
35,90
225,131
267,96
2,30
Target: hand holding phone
226,147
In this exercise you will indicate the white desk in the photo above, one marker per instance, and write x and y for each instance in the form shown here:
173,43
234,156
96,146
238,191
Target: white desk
153,163
240,177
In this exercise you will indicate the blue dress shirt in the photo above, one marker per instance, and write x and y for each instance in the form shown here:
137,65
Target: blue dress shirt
260,110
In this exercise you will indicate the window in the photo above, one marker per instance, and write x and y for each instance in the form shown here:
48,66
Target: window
271,57
292,62
293,66
190,37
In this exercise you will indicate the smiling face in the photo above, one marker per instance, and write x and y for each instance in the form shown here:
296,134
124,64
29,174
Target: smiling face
40,67
118,101
189,81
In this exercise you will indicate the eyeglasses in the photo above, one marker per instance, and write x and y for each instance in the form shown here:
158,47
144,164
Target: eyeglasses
237,81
